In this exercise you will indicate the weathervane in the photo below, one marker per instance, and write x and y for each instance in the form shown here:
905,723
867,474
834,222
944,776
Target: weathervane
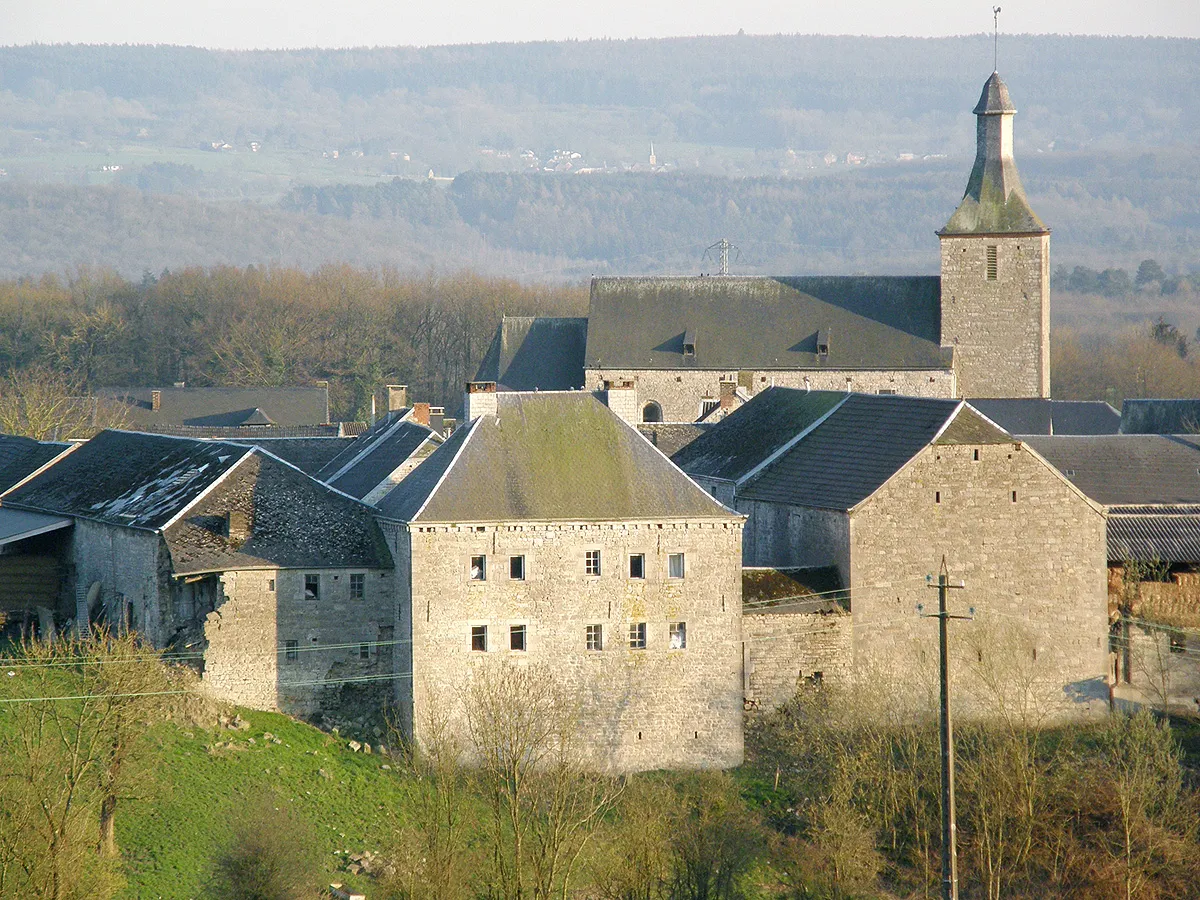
995,39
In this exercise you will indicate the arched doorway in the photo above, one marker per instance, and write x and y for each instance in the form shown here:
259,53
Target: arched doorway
652,412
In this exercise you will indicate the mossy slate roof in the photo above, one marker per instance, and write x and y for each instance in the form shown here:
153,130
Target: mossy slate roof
21,456
757,323
548,457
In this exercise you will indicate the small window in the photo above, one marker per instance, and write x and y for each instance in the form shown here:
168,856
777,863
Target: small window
675,565
591,562
937,496
637,635
637,565
1014,496
291,650
364,651
887,391
358,586
270,584
516,568
975,455
479,568
992,259
312,587
479,638
595,637
652,412
678,636
516,637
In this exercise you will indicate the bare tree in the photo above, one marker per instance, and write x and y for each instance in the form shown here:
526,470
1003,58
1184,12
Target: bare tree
48,405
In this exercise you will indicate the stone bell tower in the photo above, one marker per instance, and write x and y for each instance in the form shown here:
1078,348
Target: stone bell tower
996,269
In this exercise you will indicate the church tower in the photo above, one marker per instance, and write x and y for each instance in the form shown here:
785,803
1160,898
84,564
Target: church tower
996,269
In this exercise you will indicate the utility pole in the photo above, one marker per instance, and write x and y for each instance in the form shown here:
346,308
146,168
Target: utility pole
723,246
949,826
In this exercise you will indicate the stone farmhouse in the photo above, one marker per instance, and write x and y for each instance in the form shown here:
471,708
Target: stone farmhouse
690,346
276,587
548,532
881,489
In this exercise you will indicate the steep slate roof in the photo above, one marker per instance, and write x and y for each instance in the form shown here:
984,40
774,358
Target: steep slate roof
671,437
1123,470
1032,415
548,457
376,454
1154,416
127,478
766,323
224,407
20,456
863,443
308,454
536,353
749,435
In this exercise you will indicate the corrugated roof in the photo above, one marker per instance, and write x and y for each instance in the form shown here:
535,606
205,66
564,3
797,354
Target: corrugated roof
20,456
536,353
1034,415
750,434
548,457
1127,469
1152,416
766,323
224,407
1163,536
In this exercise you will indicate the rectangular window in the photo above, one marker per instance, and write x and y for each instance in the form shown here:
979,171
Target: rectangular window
270,584
358,587
595,637
675,565
637,635
479,568
291,650
516,568
479,638
364,651
637,565
312,587
678,636
516,637
992,256
591,562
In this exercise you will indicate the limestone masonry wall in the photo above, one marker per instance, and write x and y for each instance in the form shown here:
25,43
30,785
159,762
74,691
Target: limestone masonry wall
784,649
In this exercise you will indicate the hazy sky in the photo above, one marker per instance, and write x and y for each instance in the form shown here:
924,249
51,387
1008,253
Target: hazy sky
342,23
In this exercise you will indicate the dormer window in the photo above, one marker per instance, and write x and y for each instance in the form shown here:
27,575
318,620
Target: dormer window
822,343
689,343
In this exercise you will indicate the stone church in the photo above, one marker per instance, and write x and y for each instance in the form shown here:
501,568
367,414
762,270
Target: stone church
688,347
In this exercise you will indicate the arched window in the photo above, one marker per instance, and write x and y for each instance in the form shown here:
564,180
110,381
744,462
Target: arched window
652,412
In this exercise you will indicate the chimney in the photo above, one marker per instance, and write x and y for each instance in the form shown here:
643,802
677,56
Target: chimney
156,400
324,385
621,397
237,527
397,397
728,394
479,400
436,416
448,426
420,414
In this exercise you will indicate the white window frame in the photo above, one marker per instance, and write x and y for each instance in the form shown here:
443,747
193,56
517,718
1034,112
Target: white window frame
592,563
593,638
671,559
677,636
638,636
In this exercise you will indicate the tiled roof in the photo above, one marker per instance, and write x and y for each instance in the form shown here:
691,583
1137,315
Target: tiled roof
766,323
536,353
20,456
548,456
1168,536
1150,416
1032,415
1126,469
224,407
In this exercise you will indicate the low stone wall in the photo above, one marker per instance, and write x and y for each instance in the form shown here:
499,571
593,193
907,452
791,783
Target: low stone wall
782,649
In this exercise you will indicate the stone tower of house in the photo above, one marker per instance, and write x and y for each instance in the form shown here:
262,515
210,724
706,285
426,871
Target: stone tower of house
996,269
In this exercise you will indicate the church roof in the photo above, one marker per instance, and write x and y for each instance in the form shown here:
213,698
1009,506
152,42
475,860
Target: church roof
994,100
868,322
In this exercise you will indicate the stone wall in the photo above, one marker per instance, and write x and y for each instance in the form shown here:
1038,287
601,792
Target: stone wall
133,569
640,708
681,392
1000,329
785,649
1160,669
781,535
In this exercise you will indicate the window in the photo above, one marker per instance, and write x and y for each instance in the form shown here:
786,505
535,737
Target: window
270,584
707,406
516,568
595,637
675,565
1014,496
652,412
479,638
516,637
937,496
888,391
358,587
992,252
291,650
637,635
479,568
637,565
364,651
591,562
678,636
312,587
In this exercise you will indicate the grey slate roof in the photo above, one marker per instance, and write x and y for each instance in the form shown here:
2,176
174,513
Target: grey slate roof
375,455
536,353
309,454
1153,416
671,437
749,435
766,323
1119,470
1170,535
548,457
994,99
1032,415
224,407
20,456
863,443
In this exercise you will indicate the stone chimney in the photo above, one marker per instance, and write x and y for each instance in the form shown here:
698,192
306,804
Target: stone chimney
479,400
420,414
397,397
156,400
237,527
324,385
621,397
437,415
728,394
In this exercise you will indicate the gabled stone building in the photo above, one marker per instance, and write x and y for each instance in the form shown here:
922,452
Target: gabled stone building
548,532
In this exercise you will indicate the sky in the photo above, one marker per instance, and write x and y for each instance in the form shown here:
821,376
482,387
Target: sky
270,24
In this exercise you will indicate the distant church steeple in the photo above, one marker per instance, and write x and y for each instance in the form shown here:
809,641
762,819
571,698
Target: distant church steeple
653,158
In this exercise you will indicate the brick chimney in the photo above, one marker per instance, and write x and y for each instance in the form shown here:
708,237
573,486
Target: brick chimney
479,400
621,397
397,397
156,400
420,414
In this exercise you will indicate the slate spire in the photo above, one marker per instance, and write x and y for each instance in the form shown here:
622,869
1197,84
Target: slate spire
994,202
